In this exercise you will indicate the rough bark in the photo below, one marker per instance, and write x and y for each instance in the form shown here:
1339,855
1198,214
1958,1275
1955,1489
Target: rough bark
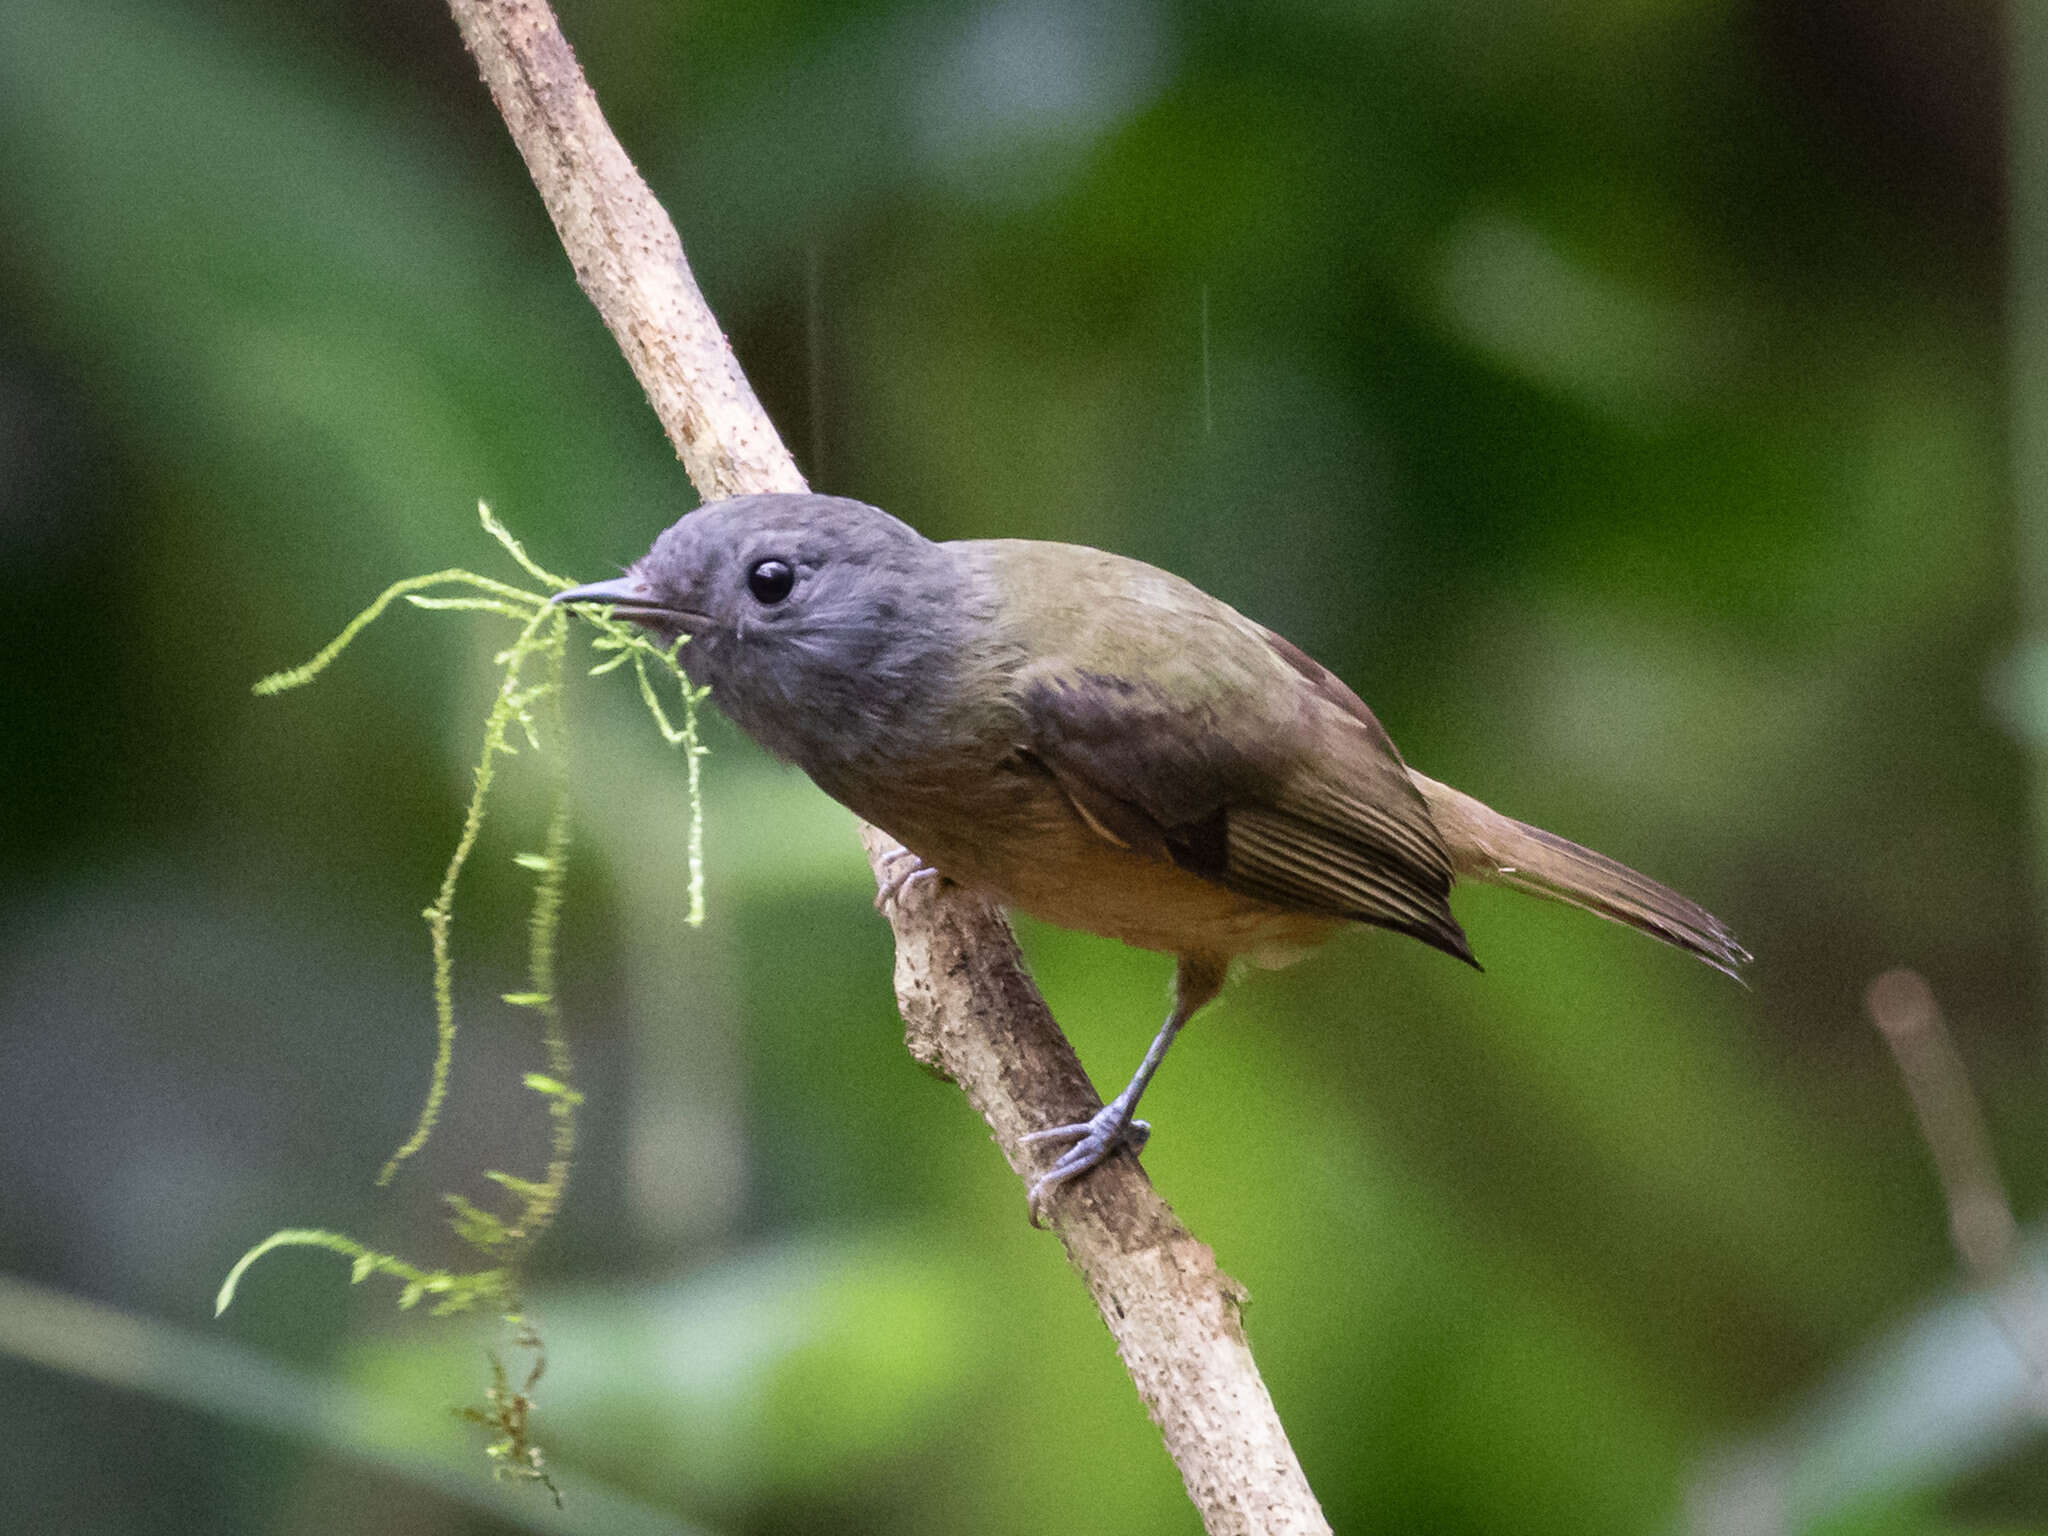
969,1010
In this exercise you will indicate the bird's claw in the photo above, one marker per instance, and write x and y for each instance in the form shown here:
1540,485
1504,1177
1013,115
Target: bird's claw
904,869
1109,1131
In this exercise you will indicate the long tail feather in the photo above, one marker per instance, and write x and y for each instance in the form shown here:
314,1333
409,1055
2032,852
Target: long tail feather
1486,845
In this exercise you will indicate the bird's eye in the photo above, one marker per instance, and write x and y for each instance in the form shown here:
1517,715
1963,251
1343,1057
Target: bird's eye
770,582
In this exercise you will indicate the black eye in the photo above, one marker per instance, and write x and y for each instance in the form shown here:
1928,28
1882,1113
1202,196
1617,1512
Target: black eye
770,582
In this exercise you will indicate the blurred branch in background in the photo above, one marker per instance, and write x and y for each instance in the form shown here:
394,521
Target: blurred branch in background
1979,1214
970,1010
1953,1390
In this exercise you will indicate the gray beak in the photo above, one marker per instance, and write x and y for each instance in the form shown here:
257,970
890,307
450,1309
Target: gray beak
629,597
620,593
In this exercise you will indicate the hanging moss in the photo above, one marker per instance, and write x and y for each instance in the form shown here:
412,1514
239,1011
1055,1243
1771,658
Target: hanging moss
534,710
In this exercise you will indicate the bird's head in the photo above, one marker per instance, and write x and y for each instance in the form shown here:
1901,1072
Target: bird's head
812,619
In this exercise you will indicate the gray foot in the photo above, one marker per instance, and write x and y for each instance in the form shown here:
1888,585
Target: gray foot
1109,1131
904,870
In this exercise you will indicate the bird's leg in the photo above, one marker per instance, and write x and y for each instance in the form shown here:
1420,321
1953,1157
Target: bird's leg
1115,1127
904,868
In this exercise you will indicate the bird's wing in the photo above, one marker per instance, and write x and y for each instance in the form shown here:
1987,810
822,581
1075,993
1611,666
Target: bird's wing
1262,772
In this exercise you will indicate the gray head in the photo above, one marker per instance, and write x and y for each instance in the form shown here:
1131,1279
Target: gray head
821,625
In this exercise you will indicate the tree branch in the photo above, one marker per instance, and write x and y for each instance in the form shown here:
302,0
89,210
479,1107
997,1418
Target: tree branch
969,1009
1980,1219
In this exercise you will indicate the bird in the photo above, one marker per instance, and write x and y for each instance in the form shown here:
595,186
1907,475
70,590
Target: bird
1087,738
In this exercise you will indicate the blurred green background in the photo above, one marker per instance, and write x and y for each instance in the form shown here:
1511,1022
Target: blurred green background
1615,391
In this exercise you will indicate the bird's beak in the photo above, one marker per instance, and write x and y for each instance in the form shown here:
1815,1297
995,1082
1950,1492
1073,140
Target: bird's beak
630,597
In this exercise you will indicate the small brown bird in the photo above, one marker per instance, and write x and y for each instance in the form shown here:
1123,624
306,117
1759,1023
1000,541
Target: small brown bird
1096,742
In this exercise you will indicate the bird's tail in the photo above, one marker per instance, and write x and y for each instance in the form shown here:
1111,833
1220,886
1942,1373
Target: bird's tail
1485,845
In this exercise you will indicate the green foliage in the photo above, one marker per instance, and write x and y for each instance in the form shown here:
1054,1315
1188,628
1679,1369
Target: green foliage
1616,394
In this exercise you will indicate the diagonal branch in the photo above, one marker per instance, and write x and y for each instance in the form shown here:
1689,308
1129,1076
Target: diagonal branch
969,1010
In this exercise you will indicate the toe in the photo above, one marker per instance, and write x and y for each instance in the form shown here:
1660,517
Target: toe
1058,1133
1091,1141
903,870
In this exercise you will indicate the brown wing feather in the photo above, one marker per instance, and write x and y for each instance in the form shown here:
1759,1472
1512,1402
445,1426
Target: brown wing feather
1316,815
